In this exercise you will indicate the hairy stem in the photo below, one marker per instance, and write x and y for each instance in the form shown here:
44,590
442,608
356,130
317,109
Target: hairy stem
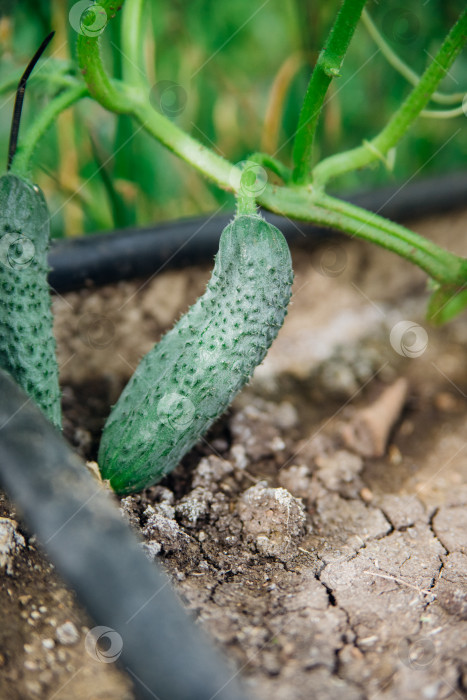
213,166
273,164
327,67
440,264
132,43
105,91
401,120
310,205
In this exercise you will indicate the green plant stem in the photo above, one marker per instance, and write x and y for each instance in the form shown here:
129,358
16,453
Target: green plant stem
213,166
299,202
401,67
440,264
327,67
307,204
401,120
132,43
105,91
45,118
246,205
273,164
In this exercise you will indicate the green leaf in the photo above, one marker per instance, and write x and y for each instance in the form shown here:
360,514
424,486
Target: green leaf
446,302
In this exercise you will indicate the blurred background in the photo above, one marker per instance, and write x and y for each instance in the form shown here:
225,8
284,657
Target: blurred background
233,75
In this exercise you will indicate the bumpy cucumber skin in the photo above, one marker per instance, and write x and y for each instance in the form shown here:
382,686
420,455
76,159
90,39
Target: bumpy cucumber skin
27,343
191,376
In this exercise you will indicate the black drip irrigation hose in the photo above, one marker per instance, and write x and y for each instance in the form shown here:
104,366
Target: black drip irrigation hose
80,527
99,259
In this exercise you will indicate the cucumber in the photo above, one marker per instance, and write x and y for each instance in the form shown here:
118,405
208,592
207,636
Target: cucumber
27,344
191,376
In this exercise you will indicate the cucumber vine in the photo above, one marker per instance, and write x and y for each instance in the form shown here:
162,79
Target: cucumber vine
303,195
181,355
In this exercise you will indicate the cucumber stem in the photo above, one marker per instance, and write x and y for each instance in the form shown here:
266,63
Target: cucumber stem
132,43
327,67
402,119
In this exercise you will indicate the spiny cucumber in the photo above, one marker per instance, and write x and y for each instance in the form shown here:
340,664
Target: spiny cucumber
191,376
27,344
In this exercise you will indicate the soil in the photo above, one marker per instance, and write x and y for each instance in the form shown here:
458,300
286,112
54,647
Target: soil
318,532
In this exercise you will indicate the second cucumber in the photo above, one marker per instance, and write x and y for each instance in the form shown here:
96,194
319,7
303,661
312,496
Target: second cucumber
191,376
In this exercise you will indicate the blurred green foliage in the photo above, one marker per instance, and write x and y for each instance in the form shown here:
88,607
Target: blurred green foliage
101,171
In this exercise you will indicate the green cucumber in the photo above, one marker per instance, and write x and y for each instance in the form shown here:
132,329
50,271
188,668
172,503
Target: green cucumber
191,376
27,344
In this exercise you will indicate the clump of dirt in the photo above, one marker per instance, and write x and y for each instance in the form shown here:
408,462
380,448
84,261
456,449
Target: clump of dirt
325,560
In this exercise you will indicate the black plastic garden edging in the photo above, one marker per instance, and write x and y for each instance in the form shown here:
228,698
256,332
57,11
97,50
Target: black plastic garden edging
92,547
100,259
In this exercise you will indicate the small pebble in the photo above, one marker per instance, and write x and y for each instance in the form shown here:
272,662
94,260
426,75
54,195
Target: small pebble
394,454
446,402
33,687
30,665
277,444
62,655
48,643
220,445
286,415
238,455
67,633
366,495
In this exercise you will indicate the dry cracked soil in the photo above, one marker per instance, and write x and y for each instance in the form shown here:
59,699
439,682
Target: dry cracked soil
318,532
